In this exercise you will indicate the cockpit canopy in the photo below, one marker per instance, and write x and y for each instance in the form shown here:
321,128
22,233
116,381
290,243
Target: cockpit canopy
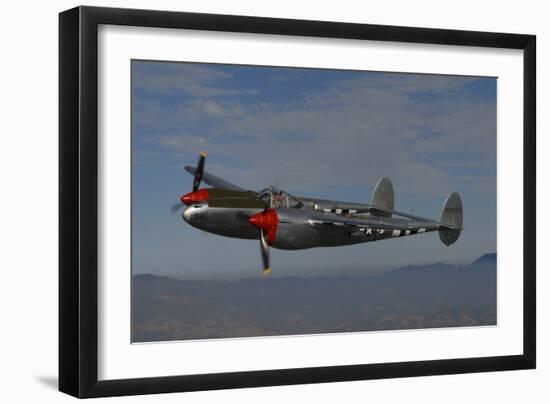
277,198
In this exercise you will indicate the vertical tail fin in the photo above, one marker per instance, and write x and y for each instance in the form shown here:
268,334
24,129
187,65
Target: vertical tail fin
383,198
451,219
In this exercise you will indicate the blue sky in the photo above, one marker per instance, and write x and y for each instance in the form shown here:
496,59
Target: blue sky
312,132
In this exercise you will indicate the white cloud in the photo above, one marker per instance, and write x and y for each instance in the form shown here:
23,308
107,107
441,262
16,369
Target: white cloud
189,79
349,134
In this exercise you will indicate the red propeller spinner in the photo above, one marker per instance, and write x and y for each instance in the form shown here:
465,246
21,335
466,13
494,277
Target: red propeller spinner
267,221
195,197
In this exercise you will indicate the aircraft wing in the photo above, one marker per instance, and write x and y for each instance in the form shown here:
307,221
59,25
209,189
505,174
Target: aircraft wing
328,205
214,181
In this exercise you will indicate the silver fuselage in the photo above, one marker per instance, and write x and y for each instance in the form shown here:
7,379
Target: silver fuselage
295,230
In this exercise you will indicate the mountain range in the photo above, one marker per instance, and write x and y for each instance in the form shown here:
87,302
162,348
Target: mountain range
411,297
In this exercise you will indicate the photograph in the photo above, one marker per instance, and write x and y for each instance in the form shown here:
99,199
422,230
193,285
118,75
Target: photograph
272,201
275,202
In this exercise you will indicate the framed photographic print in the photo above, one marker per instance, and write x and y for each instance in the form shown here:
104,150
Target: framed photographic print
251,201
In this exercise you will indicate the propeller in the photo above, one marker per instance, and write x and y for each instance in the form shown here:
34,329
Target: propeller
196,195
198,172
266,221
264,249
176,207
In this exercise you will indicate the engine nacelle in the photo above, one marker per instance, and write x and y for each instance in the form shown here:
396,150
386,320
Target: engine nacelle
294,231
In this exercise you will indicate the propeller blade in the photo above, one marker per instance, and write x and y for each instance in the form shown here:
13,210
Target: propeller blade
175,208
266,221
264,248
198,172
193,197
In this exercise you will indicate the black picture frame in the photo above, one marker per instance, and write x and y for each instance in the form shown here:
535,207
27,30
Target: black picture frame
78,201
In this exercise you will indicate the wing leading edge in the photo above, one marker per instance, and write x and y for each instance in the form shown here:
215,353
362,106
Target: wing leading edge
214,181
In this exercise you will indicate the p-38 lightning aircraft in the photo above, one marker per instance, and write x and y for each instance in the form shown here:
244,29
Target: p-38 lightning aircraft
280,220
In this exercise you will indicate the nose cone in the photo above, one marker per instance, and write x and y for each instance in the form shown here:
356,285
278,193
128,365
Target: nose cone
195,197
187,198
256,220
266,220
187,214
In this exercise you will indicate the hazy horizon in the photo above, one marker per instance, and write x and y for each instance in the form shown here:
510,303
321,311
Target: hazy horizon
357,273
